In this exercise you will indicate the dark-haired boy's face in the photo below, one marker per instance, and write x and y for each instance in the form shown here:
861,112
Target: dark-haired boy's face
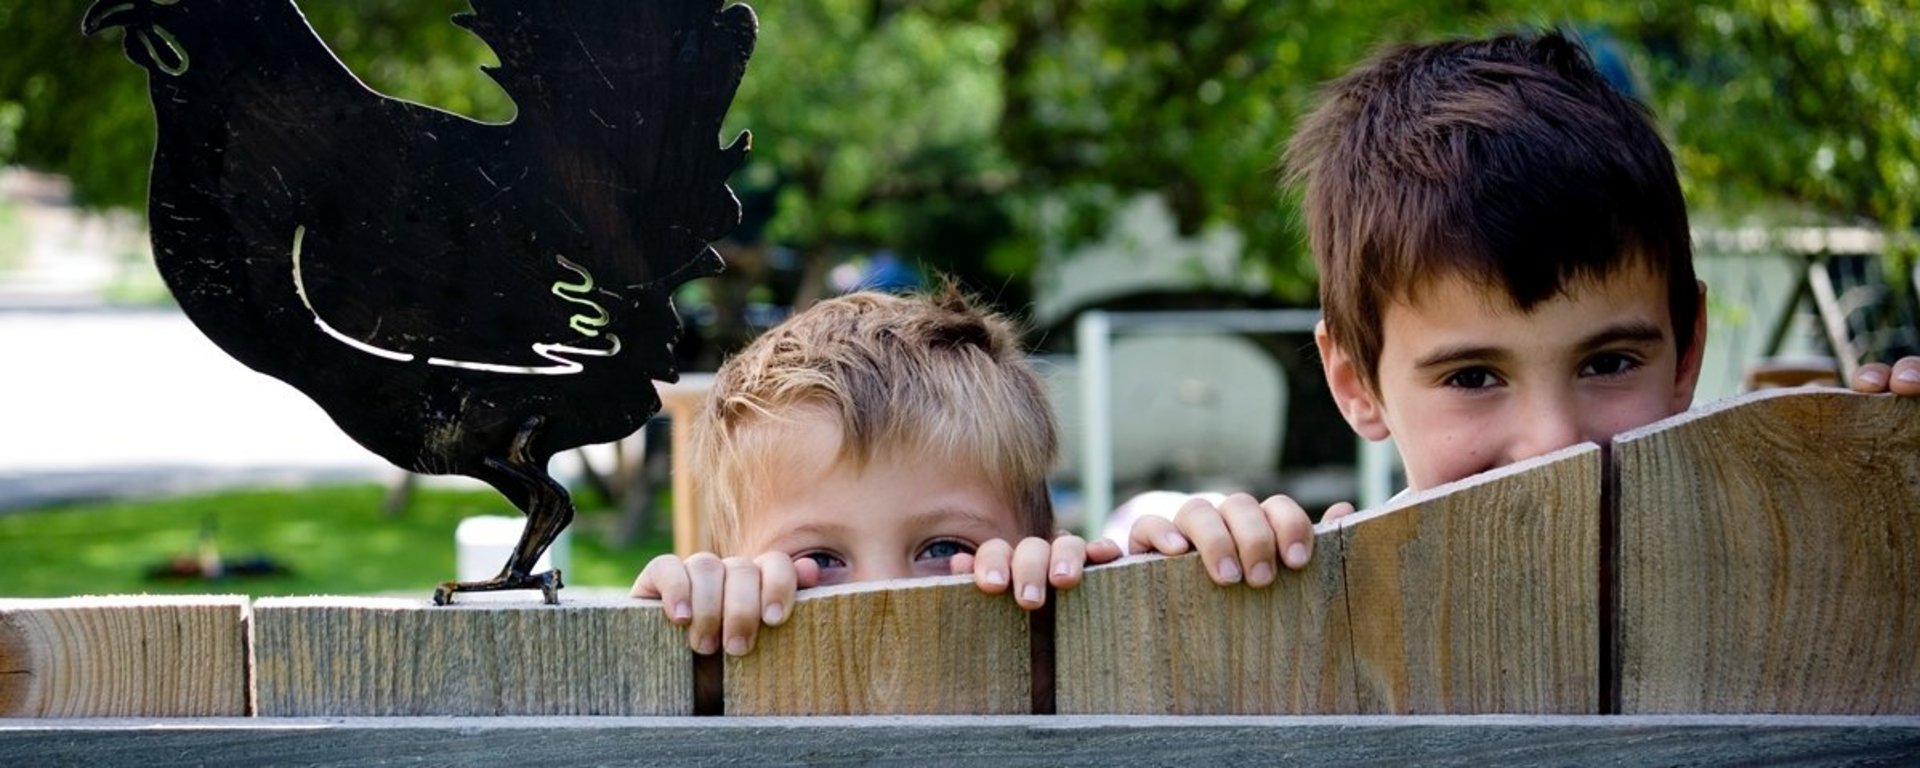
1467,382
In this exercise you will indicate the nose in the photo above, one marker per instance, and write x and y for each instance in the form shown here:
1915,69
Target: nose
1548,422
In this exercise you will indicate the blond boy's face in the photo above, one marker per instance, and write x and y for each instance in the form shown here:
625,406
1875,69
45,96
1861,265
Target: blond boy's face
901,515
1468,382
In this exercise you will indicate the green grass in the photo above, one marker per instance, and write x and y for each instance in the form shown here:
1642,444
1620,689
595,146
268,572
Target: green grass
334,539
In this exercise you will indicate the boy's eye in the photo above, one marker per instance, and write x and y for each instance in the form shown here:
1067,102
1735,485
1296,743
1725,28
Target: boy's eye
944,549
1609,364
826,560
1473,378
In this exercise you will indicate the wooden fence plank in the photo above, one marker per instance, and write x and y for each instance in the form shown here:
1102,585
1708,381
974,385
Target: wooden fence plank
1153,635
1770,557
371,656
123,656
1003,741
933,646
1479,597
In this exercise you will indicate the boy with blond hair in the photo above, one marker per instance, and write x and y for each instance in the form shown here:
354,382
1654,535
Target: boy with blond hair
1505,270
869,437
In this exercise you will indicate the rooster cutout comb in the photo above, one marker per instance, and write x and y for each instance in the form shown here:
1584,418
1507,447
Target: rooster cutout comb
460,297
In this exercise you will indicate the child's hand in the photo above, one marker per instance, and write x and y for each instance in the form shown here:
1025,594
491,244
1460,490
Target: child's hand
715,598
1902,378
1032,565
1238,538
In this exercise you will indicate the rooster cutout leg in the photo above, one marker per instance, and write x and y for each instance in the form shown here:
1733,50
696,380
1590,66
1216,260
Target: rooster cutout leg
460,297
548,509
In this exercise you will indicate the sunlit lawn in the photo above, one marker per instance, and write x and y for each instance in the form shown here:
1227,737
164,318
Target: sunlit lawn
334,540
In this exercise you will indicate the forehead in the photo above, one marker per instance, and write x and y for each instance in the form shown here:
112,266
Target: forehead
802,481
1454,309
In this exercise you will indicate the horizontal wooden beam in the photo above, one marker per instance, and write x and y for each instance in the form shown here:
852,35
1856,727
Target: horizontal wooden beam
939,740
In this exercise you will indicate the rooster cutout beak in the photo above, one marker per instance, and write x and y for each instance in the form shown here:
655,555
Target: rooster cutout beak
148,42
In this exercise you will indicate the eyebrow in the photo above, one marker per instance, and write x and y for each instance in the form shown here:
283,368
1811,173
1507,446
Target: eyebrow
1632,332
934,516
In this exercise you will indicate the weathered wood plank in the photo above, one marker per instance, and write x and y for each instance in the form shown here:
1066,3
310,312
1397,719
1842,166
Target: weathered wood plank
1481,596
123,656
371,656
1477,597
1153,635
1770,557
932,646
999,741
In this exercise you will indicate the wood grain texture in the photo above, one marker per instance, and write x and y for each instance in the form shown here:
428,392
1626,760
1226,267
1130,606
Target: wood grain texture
1154,635
1481,596
933,646
123,657
1476,597
1005,741
1770,557
370,656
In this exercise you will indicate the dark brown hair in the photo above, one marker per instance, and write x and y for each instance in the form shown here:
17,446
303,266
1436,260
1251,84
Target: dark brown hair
1509,162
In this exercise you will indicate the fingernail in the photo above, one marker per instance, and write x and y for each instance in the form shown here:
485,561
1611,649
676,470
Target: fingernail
1175,541
996,577
774,613
682,611
736,646
1062,569
1296,555
1910,376
1229,571
708,645
1874,378
1260,573
1031,594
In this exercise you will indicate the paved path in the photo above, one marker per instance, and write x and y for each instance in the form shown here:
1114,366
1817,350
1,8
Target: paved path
101,402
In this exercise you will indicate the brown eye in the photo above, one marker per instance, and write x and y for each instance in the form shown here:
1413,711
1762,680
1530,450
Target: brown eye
1473,378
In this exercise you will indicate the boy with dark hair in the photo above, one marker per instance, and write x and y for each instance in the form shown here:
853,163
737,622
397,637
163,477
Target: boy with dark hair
1505,270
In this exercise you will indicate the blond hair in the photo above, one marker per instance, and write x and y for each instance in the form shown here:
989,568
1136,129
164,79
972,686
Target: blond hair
931,374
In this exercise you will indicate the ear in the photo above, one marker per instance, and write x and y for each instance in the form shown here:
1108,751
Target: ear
1686,375
1356,400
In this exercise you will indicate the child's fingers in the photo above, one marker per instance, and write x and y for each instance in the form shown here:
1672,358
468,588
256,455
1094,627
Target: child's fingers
740,608
806,572
1103,551
778,581
1156,534
1203,525
1872,378
1292,530
992,564
707,577
665,579
1030,561
1337,511
960,564
1906,377
1068,558
1254,537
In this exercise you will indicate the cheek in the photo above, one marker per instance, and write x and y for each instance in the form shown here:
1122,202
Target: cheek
1626,411
1443,445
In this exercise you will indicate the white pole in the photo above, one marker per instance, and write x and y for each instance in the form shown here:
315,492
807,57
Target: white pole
1093,333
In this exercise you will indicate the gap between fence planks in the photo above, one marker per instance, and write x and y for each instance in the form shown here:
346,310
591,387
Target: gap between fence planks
936,646
1770,557
124,657
1473,598
373,656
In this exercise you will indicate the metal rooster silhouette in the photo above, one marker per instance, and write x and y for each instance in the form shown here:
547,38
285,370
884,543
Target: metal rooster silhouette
460,297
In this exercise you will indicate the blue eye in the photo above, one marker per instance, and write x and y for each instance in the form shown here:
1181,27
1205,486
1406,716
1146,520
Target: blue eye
944,549
826,560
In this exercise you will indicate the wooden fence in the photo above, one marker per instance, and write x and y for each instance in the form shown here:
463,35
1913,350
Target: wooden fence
1744,577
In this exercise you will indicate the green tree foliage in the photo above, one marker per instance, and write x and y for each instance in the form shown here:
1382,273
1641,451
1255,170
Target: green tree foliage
940,127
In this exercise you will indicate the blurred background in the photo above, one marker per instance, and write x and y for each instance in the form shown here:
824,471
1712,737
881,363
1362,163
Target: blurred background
1103,170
